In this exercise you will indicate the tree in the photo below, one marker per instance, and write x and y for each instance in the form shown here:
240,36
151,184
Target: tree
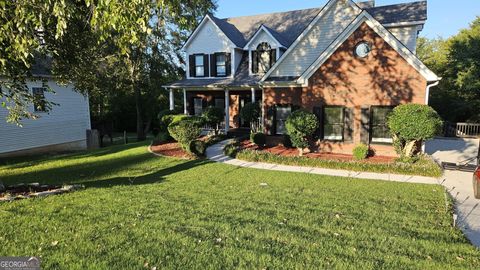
213,116
457,61
91,37
301,125
410,124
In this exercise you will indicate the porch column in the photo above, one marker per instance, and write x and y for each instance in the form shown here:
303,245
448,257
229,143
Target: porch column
172,100
263,111
253,95
227,110
185,111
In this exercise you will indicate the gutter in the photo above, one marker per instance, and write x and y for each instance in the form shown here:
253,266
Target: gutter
429,86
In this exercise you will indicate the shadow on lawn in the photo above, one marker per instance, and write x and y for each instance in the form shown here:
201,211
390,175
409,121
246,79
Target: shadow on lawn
155,177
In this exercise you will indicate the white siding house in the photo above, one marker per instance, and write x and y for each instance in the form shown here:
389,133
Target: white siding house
61,129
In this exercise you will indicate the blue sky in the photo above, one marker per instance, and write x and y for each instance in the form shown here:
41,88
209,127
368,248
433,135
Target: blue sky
445,17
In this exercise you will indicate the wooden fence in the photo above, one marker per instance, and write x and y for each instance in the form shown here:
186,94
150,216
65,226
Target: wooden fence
461,130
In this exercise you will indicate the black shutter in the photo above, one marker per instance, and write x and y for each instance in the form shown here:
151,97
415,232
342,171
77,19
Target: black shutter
318,111
273,57
213,65
206,65
228,64
270,121
254,62
192,65
348,127
365,125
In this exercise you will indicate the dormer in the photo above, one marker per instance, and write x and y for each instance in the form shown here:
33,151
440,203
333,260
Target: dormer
210,53
264,49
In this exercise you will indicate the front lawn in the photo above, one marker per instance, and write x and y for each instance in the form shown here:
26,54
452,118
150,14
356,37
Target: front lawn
140,211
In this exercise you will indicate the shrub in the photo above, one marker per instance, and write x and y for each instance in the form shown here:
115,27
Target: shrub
161,115
250,112
213,116
172,118
360,151
197,148
258,138
185,131
286,141
411,124
162,137
232,149
301,125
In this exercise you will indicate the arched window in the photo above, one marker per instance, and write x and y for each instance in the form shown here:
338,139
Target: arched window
263,58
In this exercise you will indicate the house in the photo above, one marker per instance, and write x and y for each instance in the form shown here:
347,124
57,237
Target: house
349,63
63,128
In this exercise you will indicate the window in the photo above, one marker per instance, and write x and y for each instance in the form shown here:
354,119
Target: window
362,49
281,116
199,66
263,58
39,99
221,65
379,128
220,103
197,106
333,123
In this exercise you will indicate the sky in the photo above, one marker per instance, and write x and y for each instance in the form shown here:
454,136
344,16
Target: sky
445,17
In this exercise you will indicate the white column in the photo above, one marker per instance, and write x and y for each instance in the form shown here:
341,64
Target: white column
185,111
262,103
172,100
227,110
253,95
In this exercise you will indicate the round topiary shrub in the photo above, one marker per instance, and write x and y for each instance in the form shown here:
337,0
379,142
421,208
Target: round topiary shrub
301,125
198,148
410,124
213,116
258,138
185,131
360,152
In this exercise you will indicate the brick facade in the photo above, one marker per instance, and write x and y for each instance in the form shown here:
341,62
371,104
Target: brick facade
382,78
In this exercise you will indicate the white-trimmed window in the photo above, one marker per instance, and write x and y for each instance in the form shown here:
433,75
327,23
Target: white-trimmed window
199,66
378,124
333,123
39,99
281,115
221,64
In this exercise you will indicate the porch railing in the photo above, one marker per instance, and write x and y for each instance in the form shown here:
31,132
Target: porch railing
461,130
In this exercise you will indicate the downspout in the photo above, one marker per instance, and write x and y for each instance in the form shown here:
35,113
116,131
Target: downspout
427,96
427,92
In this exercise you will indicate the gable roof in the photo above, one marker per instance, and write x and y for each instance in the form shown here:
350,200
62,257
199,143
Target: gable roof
289,25
206,18
398,46
274,35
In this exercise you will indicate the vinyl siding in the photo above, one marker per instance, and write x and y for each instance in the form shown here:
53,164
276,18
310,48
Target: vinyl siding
326,30
208,40
407,35
66,122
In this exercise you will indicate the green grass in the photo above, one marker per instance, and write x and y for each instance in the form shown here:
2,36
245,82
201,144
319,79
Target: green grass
423,167
175,214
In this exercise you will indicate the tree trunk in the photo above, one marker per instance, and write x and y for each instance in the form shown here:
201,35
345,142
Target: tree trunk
138,106
300,152
410,148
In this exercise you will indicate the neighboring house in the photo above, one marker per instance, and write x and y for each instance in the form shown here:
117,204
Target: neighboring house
63,128
349,63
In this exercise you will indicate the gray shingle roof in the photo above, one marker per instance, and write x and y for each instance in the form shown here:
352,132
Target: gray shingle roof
289,25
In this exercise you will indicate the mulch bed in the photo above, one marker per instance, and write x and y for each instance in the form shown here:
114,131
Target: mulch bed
290,152
170,149
24,191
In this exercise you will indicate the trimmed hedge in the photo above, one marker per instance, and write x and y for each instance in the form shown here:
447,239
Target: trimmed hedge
185,131
259,139
197,148
423,167
301,125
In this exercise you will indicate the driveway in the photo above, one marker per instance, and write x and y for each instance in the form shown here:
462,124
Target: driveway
459,185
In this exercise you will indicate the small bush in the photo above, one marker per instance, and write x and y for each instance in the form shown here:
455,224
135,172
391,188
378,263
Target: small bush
197,148
232,149
301,125
213,116
286,141
185,131
250,112
360,152
412,123
258,138
163,123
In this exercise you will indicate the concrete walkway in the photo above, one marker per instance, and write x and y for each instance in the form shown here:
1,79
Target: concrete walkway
458,184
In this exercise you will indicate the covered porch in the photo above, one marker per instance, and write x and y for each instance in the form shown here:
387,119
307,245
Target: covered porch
231,100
